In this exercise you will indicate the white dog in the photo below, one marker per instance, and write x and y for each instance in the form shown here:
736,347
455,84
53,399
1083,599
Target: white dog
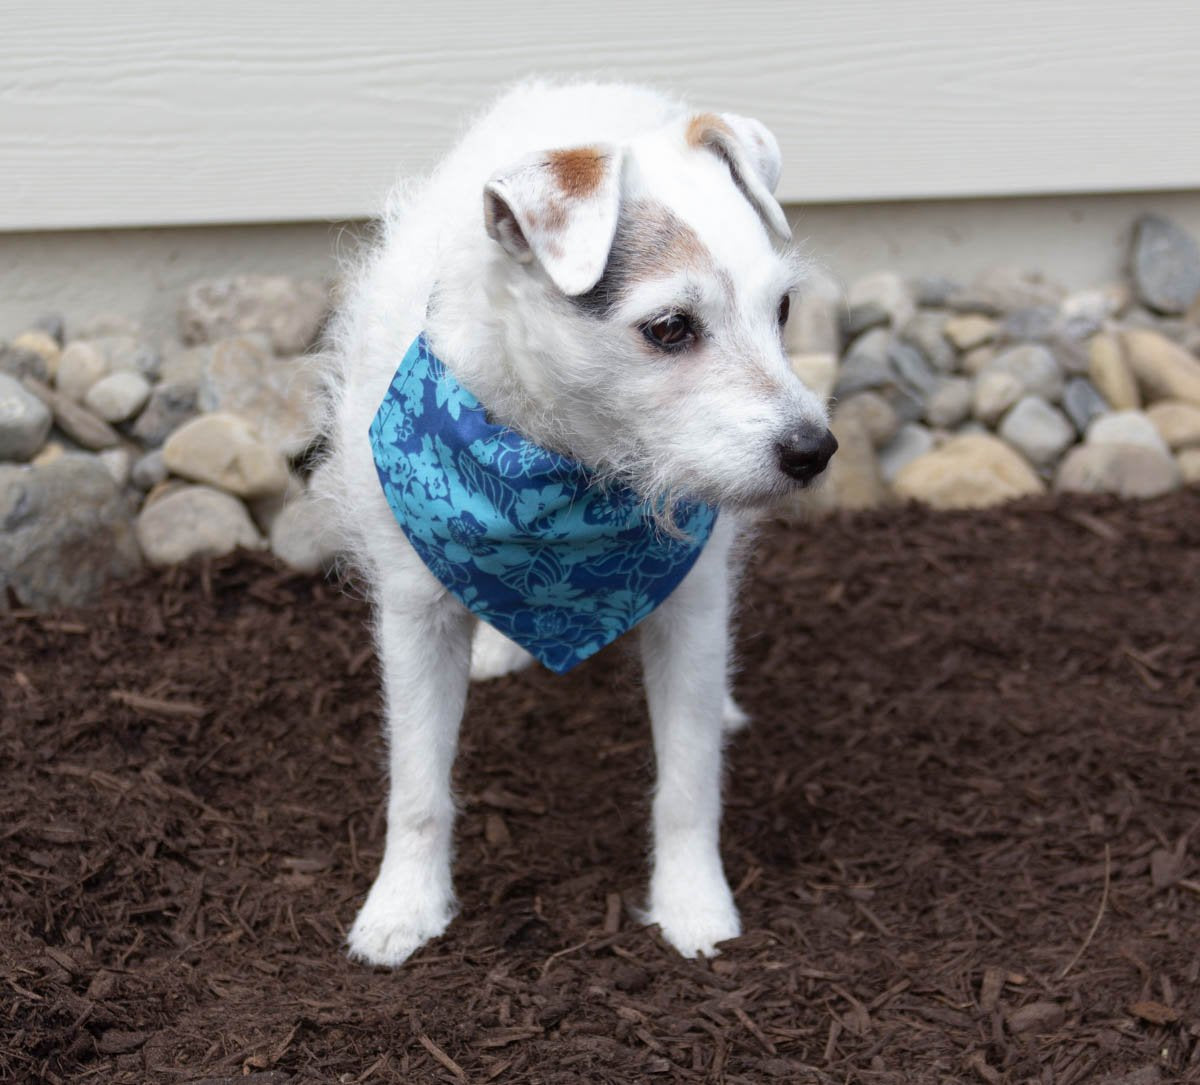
602,269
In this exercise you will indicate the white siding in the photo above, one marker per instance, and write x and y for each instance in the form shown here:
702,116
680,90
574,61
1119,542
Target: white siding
142,112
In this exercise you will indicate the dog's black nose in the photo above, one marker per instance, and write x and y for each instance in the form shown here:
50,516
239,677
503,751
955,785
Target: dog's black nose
803,457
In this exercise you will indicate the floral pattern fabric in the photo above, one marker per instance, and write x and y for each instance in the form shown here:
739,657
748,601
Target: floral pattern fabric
522,536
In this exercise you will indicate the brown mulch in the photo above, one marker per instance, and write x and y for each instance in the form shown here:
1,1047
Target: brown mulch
962,828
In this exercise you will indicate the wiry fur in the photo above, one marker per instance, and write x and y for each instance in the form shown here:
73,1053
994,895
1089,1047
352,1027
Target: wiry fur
543,327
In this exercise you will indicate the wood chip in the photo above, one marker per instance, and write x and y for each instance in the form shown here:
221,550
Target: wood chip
990,988
1036,1017
1154,1012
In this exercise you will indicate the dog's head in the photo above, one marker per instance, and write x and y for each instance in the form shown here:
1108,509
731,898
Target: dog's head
643,291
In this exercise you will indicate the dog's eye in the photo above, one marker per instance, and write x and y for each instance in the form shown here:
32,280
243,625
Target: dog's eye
785,307
671,332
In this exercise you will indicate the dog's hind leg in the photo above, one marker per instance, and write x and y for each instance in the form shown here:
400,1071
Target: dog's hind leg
685,650
494,655
424,651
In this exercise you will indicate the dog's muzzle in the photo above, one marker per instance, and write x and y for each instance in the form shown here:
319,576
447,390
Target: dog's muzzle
804,457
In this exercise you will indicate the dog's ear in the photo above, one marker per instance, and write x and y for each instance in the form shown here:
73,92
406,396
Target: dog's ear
560,208
753,156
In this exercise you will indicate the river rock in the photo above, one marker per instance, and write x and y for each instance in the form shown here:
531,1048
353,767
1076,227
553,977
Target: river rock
1110,373
1165,265
76,421
118,396
302,535
193,521
995,391
43,344
950,403
817,371
912,440
1083,402
1035,367
65,532
1125,470
924,331
1163,369
223,450
969,330
1040,432
80,366
968,471
117,462
1126,428
865,364
852,479
170,405
1178,423
812,326
881,297
1189,466
274,394
876,416
288,311
1003,290
128,353
148,470
24,421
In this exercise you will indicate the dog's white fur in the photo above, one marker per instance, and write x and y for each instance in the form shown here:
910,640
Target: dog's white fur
499,282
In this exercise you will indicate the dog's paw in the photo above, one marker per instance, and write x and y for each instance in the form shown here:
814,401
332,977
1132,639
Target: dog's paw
694,923
732,717
388,933
493,655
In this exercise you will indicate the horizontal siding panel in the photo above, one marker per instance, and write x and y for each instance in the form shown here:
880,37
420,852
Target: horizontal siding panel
121,114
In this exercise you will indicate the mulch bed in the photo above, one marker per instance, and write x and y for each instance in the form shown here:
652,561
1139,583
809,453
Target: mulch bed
962,828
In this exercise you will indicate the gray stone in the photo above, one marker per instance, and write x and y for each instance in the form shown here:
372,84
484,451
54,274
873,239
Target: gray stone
193,521
1082,402
117,462
81,365
994,393
274,394
36,341
77,422
950,403
19,364
882,297
1035,367
924,331
1005,290
187,365
127,352
913,374
169,407
302,535
52,324
865,364
1033,324
1125,470
873,414
289,311
24,421
912,440
118,396
106,324
1165,265
1040,432
148,470
65,532
812,326
224,450
933,291
1126,428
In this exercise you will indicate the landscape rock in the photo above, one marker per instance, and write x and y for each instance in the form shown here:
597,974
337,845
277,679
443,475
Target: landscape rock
817,371
924,331
1036,323
934,291
24,421
1165,265
1083,402
148,470
118,396
187,365
950,403
194,521
170,405
289,311
1085,312
852,479
812,326
995,391
976,360
117,462
51,451
80,366
881,297
223,450
1111,374
1035,367
106,324
53,325
1189,466
76,421
1040,432
65,532
1124,470
1163,369
911,441
43,344
874,414
274,394
302,535
969,330
1003,290
1178,423
1126,428
127,353
865,364
968,471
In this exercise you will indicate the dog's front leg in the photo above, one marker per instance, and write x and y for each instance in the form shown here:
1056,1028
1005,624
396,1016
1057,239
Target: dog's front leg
424,652
685,654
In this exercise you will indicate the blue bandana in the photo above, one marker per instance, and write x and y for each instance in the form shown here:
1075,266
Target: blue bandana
521,536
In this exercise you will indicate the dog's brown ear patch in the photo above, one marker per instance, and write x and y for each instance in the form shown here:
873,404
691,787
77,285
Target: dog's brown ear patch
703,126
578,171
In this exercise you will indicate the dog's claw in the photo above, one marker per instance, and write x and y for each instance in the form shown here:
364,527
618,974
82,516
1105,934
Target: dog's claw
389,935
695,927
